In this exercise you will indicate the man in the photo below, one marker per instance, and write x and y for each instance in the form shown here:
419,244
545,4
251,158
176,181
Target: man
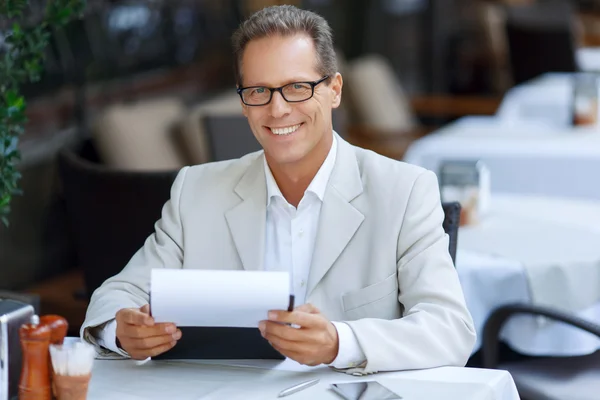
360,234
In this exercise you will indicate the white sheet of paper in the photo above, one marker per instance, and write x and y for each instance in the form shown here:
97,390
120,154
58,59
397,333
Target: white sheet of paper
216,298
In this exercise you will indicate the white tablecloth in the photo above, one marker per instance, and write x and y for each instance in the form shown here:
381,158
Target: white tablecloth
547,99
528,157
588,59
491,280
129,380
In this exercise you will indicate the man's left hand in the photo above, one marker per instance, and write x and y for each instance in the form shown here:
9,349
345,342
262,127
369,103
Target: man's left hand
314,342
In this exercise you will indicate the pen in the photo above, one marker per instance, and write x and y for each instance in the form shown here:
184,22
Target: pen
298,387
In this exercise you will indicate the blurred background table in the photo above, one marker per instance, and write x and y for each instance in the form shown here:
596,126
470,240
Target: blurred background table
523,156
546,99
560,238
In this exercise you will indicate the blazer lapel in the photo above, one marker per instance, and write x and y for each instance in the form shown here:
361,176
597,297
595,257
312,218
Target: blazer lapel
339,219
247,220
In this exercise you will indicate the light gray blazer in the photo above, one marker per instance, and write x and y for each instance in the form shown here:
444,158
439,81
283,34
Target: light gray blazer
381,260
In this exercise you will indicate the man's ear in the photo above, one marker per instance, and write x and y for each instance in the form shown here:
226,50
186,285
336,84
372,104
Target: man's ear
336,87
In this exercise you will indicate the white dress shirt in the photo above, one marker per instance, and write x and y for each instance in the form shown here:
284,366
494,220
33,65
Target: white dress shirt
289,243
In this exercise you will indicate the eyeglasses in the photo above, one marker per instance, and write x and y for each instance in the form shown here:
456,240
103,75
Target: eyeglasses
294,92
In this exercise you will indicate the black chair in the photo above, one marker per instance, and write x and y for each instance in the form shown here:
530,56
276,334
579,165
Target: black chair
451,224
111,212
541,38
545,378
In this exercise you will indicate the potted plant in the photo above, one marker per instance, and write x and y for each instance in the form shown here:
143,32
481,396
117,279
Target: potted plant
24,35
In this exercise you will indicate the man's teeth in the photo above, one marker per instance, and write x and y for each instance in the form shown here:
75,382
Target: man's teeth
285,131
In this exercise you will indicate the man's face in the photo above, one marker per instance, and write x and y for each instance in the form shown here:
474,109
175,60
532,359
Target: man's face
290,133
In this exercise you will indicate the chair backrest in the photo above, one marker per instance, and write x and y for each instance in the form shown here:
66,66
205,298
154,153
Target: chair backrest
451,224
111,212
541,38
140,136
230,136
192,133
376,96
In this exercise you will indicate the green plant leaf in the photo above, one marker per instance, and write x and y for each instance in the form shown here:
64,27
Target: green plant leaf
5,200
22,61
14,155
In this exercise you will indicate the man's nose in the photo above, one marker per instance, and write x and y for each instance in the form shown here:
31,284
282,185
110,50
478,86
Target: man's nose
278,106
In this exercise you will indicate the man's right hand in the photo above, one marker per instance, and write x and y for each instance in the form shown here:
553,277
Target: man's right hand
140,337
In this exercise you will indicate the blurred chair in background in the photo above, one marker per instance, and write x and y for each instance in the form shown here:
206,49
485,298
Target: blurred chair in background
385,119
541,38
139,136
229,137
491,17
192,135
545,378
377,95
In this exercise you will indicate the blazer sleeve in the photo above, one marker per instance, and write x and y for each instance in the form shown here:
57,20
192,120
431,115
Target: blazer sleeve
130,287
436,328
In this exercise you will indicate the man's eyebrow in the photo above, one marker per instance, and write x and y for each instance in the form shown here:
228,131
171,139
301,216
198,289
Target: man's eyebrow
287,82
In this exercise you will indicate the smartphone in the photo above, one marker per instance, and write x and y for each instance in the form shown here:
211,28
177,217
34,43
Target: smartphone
367,390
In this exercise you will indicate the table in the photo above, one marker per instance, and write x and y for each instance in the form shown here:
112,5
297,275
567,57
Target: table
524,157
588,59
129,380
546,99
490,280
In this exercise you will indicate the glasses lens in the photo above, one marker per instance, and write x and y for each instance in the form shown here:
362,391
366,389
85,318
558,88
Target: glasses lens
256,95
297,91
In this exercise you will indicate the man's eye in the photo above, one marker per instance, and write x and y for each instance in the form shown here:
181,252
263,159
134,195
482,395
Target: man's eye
259,90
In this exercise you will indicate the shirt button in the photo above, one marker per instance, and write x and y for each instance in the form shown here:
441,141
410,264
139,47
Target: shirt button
301,232
302,283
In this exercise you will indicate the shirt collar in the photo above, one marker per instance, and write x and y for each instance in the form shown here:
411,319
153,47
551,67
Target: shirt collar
317,185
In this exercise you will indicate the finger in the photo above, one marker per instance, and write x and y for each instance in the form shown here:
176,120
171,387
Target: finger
154,341
284,345
161,349
134,316
300,355
153,352
145,309
269,329
308,308
142,331
304,319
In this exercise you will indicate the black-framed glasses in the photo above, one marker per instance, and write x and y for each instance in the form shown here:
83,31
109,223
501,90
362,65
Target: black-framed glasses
294,92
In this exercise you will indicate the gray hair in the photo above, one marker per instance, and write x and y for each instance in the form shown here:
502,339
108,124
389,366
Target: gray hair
286,20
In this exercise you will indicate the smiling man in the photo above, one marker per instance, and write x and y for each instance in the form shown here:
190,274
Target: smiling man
360,234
